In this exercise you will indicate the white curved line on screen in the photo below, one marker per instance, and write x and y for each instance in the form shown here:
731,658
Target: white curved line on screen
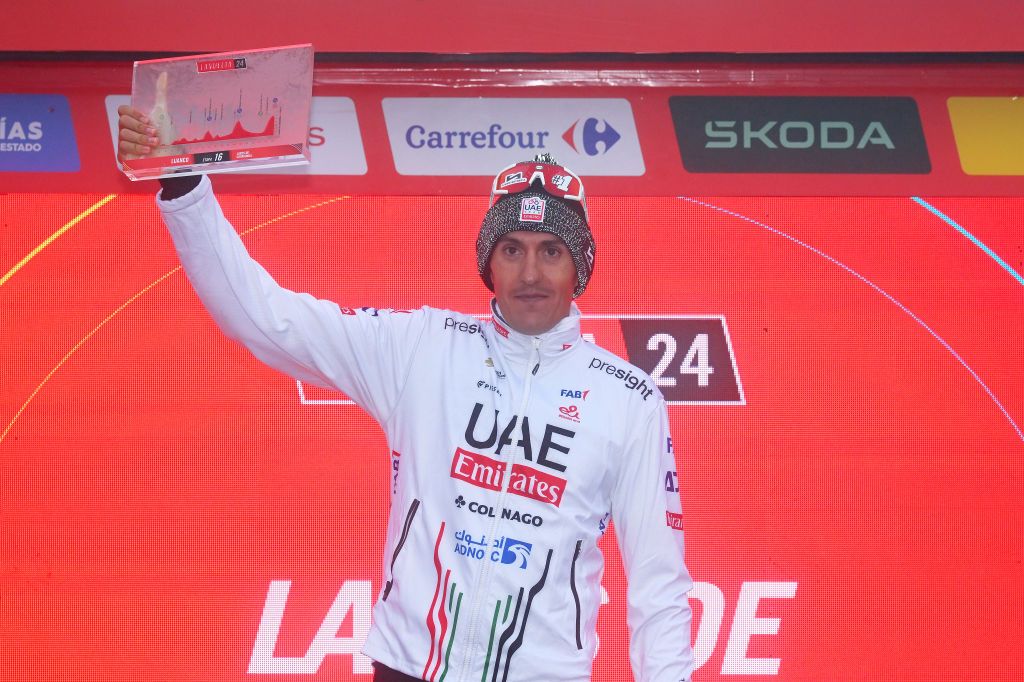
877,288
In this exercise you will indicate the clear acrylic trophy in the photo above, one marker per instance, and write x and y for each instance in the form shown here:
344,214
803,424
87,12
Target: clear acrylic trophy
223,112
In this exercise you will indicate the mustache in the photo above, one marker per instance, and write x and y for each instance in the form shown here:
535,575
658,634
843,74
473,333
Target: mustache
532,291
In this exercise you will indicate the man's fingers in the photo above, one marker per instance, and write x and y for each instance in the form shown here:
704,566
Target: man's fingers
136,134
138,138
136,125
126,110
126,149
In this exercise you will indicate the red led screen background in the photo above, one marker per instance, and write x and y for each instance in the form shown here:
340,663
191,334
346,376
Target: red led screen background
856,515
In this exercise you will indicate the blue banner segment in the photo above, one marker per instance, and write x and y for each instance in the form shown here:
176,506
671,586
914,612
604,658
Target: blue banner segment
36,134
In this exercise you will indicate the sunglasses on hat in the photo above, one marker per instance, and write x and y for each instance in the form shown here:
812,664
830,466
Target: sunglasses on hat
557,181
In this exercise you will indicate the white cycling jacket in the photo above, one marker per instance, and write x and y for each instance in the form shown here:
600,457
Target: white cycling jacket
510,455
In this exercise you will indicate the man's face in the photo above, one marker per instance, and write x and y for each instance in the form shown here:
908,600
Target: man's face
534,277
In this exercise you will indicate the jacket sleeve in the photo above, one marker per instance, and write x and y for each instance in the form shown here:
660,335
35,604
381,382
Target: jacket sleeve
648,525
366,353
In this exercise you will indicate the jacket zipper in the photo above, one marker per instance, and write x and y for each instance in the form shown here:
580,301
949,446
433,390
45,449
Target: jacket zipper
575,594
483,582
401,542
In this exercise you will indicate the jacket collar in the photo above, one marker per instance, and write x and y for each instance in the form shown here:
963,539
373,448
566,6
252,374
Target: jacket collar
516,347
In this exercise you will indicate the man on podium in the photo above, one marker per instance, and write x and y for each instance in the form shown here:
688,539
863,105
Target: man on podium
519,440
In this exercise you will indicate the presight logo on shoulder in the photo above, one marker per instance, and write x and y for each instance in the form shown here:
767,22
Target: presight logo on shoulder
625,375
36,134
476,135
463,326
799,134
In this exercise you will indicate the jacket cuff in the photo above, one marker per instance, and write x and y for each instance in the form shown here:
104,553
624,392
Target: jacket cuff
179,203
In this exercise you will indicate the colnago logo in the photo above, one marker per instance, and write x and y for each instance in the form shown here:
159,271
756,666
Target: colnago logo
507,513
489,474
593,137
479,135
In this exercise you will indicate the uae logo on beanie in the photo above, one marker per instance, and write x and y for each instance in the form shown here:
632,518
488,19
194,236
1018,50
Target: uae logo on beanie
531,210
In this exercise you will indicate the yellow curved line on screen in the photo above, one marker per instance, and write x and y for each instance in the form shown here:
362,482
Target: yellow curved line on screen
53,237
134,298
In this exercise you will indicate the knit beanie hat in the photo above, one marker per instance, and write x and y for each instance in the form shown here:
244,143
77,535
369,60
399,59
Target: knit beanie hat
536,210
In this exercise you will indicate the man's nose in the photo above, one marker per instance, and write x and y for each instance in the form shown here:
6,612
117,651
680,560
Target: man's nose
531,268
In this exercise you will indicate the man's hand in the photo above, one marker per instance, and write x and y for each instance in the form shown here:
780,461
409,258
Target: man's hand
136,134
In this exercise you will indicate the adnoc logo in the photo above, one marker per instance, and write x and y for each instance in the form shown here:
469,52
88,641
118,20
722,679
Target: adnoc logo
584,139
479,135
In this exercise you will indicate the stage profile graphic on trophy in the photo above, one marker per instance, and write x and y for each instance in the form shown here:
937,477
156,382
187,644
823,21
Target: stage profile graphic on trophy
224,112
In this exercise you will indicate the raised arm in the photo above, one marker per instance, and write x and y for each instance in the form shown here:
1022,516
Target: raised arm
365,354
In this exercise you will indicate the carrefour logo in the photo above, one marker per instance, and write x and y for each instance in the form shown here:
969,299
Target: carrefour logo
593,137
480,135
590,136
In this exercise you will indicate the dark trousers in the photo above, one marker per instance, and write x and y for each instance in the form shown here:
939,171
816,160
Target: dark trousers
382,673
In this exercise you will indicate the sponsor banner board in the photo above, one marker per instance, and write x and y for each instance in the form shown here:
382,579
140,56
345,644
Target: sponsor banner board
36,134
989,133
799,134
481,135
653,139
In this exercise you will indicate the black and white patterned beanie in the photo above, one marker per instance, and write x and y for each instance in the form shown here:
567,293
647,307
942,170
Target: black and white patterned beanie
537,211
